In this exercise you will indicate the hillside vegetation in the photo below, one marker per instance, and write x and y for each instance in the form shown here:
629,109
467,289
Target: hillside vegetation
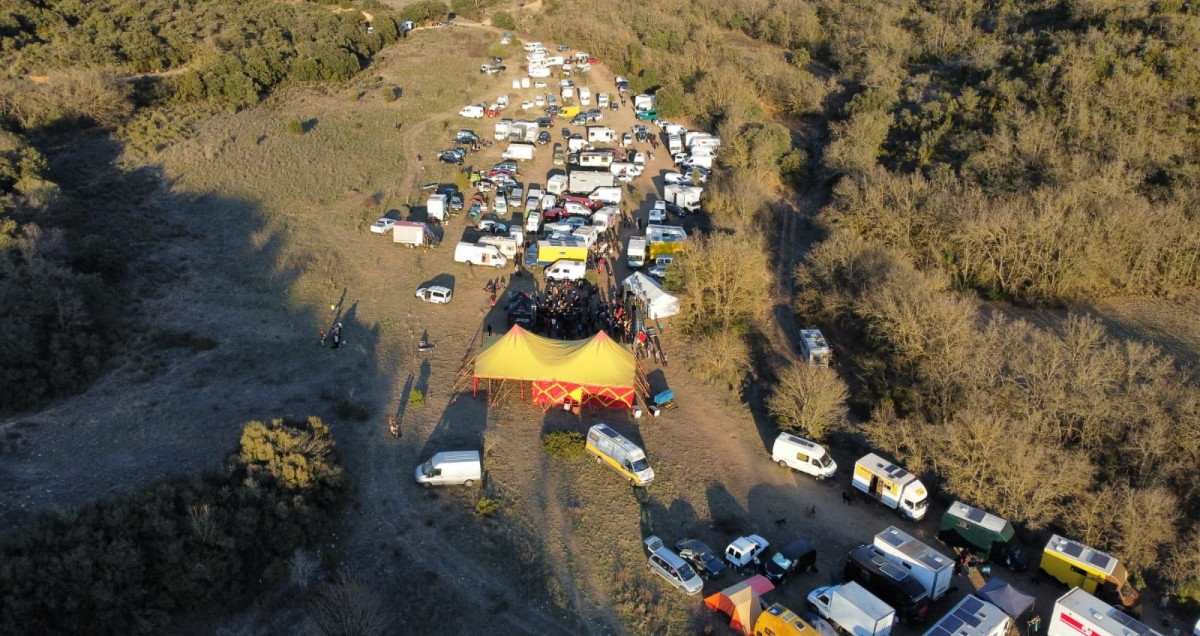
1038,153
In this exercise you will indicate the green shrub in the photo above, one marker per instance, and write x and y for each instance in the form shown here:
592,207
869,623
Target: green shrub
294,127
503,20
416,398
498,50
564,445
390,94
486,507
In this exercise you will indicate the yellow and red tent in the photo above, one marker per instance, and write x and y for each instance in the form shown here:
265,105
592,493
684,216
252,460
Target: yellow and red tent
596,371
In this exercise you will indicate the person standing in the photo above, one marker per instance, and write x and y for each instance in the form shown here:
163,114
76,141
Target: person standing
322,341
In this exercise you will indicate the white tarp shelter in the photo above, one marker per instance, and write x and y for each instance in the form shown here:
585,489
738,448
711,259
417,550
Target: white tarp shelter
658,303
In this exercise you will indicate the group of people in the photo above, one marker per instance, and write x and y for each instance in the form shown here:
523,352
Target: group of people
573,310
335,336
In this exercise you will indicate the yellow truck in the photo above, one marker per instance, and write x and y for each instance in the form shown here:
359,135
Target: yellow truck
1077,565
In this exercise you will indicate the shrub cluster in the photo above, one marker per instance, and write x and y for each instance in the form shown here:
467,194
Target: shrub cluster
564,445
133,564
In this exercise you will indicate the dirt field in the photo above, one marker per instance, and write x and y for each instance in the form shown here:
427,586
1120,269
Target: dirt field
272,232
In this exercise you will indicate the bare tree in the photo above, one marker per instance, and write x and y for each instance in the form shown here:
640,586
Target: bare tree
347,607
810,400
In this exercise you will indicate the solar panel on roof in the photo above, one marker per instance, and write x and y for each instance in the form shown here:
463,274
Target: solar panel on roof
970,604
1072,548
975,514
1099,559
609,432
951,623
932,560
938,630
891,538
890,467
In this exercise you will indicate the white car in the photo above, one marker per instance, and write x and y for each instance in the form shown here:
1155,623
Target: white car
435,294
526,105
659,270
658,213
675,177
539,84
539,100
492,227
382,225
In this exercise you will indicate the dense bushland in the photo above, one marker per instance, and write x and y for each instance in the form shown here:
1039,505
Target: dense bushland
135,564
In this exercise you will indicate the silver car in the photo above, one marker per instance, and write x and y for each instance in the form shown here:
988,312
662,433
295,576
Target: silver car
672,568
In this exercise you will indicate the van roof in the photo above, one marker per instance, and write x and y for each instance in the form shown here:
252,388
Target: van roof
914,549
813,448
617,438
457,456
976,516
1080,553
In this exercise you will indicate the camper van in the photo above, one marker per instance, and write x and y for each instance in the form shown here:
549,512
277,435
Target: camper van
1076,565
506,244
932,569
533,222
813,348
451,468
566,269
635,253
800,454
868,567
987,536
477,254
893,486
623,455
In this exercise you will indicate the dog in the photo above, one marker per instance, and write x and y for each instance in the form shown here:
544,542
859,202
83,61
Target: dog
847,498
780,522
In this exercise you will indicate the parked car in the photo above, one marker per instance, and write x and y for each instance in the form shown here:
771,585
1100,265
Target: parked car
648,115
435,294
449,156
539,100
456,201
489,226
579,120
797,556
701,557
671,567
382,225
563,47
566,133
594,115
492,69
465,137
659,270
543,137
745,550
614,105
545,122
508,166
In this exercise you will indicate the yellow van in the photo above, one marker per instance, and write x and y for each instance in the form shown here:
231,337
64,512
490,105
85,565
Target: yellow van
778,620
567,112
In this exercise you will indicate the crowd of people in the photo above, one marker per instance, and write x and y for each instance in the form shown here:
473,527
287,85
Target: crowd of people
574,310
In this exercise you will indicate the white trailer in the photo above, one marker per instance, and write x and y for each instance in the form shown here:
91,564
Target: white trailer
502,129
683,195
813,348
853,609
587,234
519,152
556,184
1078,612
595,159
586,181
606,217
411,233
643,102
930,568
700,139
972,616
674,144
568,93
435,208
506,244
601,134
585,96
893,486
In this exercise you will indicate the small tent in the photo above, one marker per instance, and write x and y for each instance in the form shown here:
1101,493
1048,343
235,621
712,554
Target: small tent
741,602
657,302
1000,593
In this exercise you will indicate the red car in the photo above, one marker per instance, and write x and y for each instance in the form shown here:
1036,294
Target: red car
584,201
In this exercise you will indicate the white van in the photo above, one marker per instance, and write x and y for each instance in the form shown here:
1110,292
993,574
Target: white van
566,270
474,112
477,254
451,468
557,184
532,46
627,458
802,455
533,222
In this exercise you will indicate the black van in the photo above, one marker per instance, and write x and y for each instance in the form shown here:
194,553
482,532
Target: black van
893,584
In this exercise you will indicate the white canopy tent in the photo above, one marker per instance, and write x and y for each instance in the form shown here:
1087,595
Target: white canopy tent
658,303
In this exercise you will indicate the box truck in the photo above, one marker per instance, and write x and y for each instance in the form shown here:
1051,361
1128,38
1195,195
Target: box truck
549,251
893,486
814,349
519,152
932,569
609,447
1079,613
800,454
1077,565
972,616
985,535
412,234
477,254
451,468
853,609
868,567
684,195
435,208
635,252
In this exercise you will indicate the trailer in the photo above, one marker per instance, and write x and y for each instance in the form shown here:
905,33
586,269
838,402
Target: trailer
635,253
665,240
519,152
813,348
412,234
1078,613
972,616
550,251
1075,564
503,127
985,535
435,208
930,568
595,159
586,181
683,195
893,486
601,134
853,609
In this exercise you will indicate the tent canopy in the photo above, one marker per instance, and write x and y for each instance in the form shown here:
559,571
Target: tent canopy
520,355
659,303
1000,593
740,602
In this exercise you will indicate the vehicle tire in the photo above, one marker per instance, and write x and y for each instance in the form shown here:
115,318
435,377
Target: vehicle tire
598,460
427,485
783,463
468,483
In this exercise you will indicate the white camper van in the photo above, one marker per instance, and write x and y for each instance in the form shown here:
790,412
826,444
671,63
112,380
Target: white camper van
932,569
635,254
566,270
800,454
626,457
533,222
451,468
477,254
893,486
813,347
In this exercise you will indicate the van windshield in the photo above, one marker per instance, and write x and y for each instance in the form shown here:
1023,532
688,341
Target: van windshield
427,468
824,461
640,465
